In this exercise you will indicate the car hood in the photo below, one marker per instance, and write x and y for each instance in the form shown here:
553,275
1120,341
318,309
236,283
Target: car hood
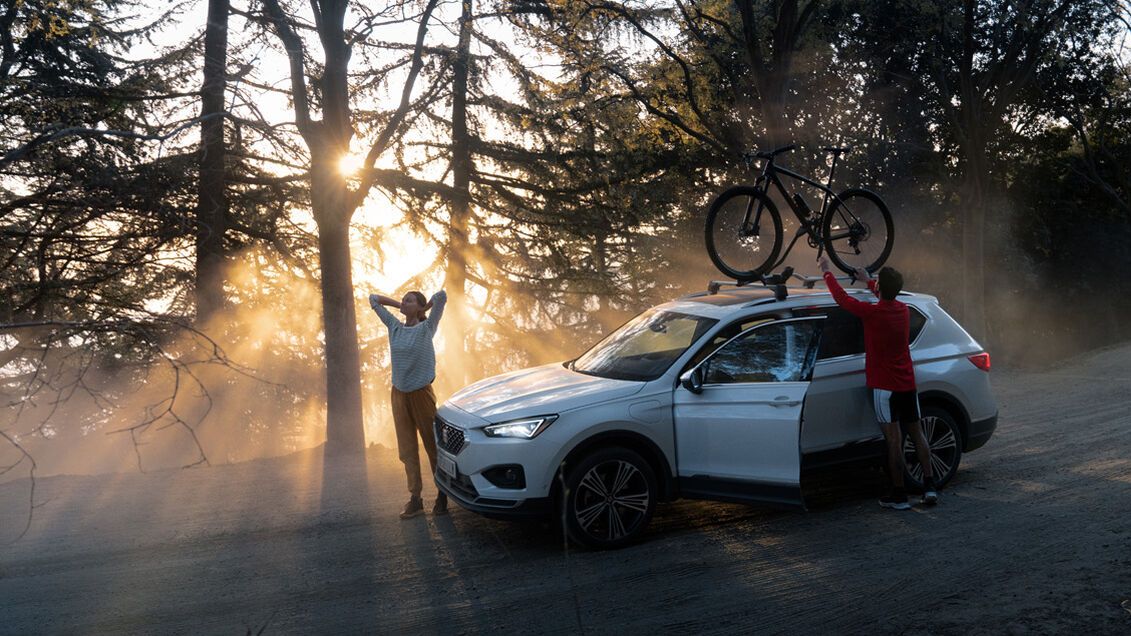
541,390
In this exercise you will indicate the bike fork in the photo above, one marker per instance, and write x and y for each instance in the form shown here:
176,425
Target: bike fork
754,228
828,184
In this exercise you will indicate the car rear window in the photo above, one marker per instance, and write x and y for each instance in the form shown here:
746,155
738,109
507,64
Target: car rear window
843,334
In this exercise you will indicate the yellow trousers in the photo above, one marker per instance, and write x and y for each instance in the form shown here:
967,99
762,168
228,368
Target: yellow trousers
413,413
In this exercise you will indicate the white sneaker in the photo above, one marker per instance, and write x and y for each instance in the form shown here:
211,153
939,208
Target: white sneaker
895,503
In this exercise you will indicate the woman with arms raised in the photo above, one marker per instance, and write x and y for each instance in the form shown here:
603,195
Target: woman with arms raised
414,369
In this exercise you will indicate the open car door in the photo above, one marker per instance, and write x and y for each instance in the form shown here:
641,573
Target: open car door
738,415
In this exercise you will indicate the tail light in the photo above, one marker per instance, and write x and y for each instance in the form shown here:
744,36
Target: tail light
981,360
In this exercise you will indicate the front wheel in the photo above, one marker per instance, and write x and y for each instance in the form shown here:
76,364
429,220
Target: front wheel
858,231
945,441
609,498
743,233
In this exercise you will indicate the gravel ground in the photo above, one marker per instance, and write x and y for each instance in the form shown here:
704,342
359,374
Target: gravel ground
1032,537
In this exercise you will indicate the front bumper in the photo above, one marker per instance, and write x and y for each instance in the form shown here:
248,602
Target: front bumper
463,492
466,454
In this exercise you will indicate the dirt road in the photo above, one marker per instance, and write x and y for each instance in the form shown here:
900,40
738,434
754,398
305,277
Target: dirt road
1033,537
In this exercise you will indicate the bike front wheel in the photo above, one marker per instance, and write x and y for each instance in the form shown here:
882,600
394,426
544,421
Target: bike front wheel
743,232
858,231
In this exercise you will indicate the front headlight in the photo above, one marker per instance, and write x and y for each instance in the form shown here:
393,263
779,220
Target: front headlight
525,428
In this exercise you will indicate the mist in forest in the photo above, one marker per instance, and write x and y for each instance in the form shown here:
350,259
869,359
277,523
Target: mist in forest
585,207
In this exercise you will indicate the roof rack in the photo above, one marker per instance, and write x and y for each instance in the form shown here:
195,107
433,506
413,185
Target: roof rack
775,282
808,282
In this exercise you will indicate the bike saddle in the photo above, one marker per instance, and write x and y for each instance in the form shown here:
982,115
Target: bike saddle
837,150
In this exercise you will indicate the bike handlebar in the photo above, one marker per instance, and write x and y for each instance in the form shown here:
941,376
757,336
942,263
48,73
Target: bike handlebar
762,154
770,154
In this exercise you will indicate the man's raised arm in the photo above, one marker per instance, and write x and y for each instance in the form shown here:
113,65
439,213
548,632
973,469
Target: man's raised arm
849,304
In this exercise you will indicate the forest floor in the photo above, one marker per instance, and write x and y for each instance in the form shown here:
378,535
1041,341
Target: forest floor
1032,537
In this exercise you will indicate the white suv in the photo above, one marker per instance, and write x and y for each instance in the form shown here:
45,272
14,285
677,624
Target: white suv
727,396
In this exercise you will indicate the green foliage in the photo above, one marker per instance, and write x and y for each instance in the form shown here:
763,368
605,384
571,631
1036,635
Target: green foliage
599,131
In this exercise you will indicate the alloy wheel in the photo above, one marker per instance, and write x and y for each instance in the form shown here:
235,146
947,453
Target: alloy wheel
612,500
943,441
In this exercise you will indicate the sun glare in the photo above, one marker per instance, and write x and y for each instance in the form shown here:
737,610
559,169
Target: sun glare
350,164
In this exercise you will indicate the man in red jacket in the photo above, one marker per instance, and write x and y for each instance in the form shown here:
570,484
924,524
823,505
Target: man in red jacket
890,375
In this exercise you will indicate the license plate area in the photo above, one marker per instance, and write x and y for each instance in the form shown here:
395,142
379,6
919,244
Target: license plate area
446,464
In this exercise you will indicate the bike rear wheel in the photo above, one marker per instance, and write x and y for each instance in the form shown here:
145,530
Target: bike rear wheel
858,231
743,232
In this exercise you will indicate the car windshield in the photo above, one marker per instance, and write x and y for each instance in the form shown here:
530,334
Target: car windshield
644,347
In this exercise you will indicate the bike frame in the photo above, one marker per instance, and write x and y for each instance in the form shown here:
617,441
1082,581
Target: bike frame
769,176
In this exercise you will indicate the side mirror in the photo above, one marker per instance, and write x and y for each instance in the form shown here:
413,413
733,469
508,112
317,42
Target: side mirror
693,380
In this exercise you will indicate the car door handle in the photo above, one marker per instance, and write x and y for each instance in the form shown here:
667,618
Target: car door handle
783,400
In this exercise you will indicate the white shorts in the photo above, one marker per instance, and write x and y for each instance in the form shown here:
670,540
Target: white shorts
897,406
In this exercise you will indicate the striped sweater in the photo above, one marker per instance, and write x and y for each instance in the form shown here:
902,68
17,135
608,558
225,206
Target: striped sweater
413,355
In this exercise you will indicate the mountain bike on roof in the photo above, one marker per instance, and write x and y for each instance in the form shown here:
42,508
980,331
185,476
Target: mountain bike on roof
744,228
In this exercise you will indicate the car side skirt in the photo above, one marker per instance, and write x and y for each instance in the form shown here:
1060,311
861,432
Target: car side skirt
855,453
739,491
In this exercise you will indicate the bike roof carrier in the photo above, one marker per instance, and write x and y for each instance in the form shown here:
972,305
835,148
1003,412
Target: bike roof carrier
776,282
809,282
781,292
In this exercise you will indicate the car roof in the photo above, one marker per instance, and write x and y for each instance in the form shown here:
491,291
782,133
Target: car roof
728,301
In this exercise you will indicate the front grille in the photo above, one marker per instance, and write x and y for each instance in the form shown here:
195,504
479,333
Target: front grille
460,486
449,437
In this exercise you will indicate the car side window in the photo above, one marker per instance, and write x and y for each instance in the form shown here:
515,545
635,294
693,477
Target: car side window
918,321
772,353
723,335
843,334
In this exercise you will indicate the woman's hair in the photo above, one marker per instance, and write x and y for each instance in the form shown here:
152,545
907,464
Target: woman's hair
420,299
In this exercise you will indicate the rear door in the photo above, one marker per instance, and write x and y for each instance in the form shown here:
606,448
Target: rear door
838,407
738,436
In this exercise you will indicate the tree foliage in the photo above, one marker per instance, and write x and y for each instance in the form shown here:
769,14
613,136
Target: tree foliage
558,155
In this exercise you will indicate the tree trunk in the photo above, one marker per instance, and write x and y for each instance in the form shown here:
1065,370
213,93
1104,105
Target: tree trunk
332,201
345,425
212,201
333,207
772,66
973,241
973,136
455,275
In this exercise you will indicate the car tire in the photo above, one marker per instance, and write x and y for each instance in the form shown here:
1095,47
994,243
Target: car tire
945,439
609,498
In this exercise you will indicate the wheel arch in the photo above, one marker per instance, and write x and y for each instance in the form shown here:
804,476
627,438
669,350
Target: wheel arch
631,440
951,405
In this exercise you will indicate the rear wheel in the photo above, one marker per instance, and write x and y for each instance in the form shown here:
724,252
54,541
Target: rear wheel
609,498
743,233
945,441
858,231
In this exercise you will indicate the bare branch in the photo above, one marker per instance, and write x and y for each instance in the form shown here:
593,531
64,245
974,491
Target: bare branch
394,123
56,133
295,54
25,456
